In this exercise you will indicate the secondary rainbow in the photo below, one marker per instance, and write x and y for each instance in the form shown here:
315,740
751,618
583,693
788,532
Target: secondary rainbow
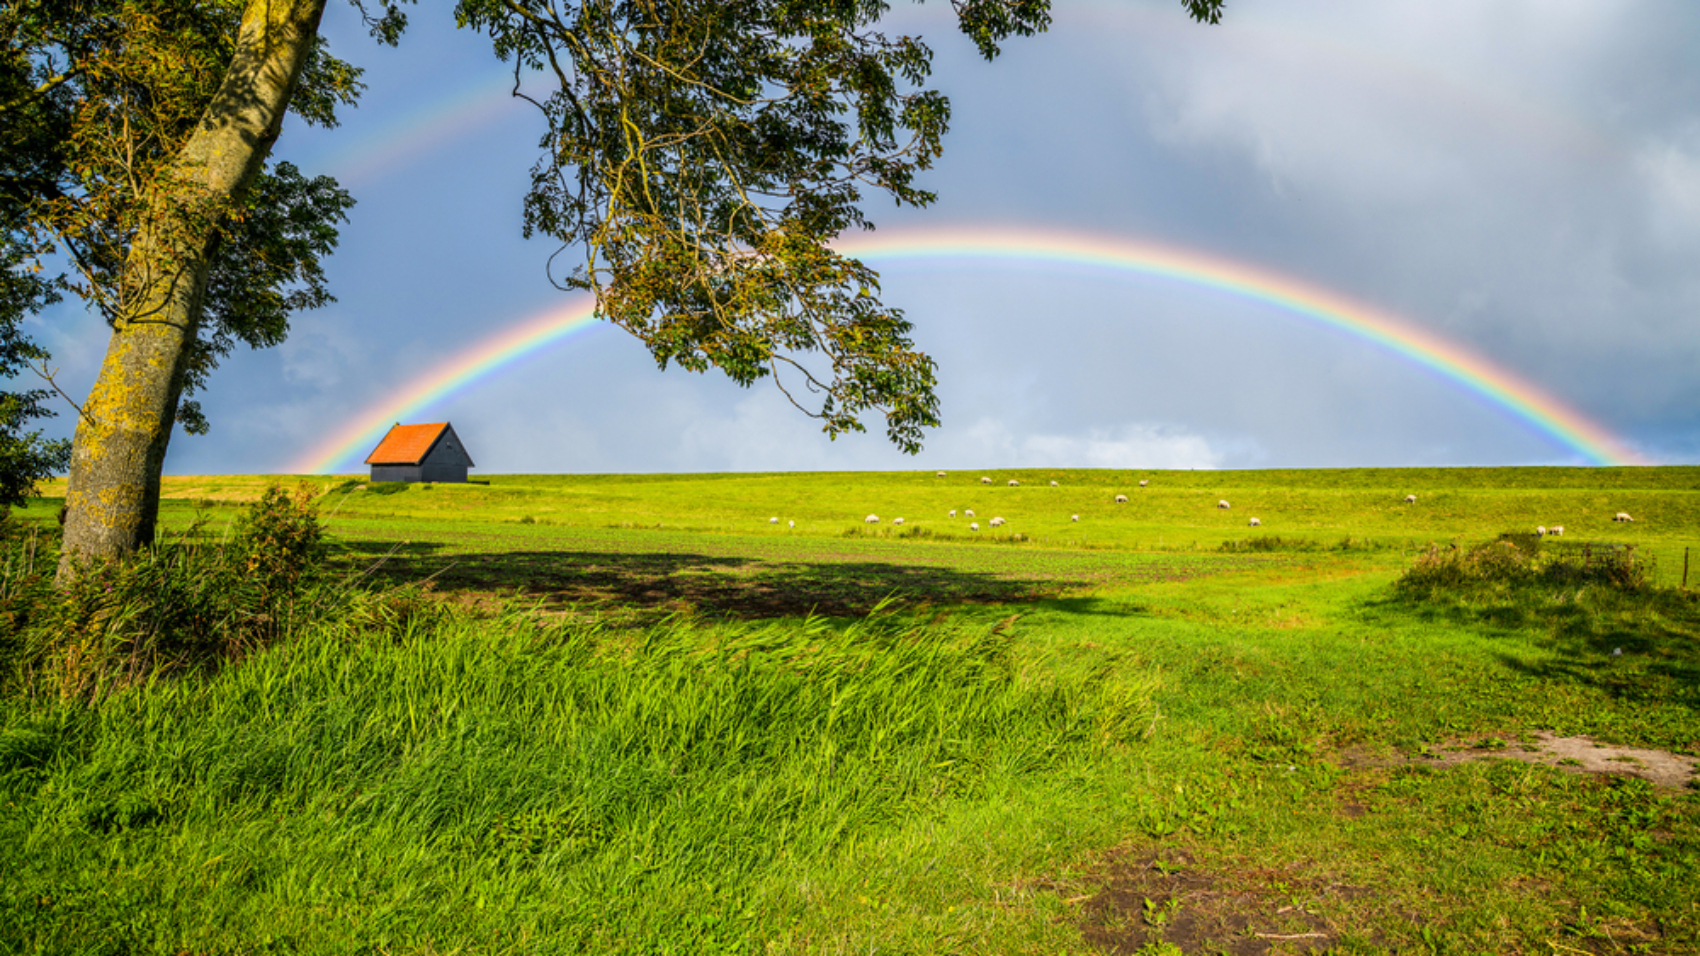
1452,362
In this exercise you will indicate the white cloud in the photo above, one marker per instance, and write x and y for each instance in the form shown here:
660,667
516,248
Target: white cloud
991,443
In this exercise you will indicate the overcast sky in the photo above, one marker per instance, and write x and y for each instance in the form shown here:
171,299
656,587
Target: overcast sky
1519,177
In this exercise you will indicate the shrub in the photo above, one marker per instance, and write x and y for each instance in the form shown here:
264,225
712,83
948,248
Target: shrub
1523,560
280,539
184,604
1268,542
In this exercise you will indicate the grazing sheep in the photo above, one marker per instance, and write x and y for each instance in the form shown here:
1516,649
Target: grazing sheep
1256,523
1074,518
984,480
953,512
1014,484
941,474
1053,484
997,522
1410,499
969,512
872,519
1144,481
1223,505
1556,529
1623,516
773,521
790,524
1121,499
1540,531
974,526
897,521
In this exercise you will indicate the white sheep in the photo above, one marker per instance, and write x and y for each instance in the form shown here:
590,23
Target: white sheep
997,522
1256,523
872,519
897,521
1074,518
974,526
1121,499
941,474
1144,481
1556,529
984,480
790,524
1223,505
1053,484
1540,531
773,521
953,512
1014,484
1410,499
1623,516
969,512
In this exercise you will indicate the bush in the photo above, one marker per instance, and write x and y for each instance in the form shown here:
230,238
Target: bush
1524,560
185,604
1268,542
280,540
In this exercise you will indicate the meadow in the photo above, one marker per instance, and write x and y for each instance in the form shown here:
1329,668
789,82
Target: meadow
551,714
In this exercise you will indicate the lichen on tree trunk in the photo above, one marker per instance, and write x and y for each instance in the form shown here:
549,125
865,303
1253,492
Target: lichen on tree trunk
119,450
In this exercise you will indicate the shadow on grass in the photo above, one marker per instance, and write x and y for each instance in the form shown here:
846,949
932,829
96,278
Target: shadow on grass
362,551
1640,647
649,585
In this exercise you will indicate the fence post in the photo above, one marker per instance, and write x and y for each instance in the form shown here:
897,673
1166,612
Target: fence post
1685,567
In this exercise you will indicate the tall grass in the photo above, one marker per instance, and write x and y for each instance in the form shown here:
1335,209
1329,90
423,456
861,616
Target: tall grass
485,785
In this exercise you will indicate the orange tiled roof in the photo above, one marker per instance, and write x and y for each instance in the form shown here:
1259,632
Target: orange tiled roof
406,444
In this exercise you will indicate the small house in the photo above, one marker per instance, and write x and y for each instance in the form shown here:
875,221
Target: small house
420,453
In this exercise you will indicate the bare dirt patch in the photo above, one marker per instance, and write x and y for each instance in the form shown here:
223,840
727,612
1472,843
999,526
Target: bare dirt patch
1580,754
1139,898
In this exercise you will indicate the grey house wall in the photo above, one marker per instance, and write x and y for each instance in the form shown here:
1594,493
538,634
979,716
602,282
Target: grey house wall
397,473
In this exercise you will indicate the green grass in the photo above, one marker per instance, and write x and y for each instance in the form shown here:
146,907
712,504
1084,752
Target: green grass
1112,736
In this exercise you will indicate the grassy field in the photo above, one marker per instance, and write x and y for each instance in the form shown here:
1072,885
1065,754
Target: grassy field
631,714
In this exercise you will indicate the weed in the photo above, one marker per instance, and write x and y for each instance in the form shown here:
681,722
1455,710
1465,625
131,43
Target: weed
186,603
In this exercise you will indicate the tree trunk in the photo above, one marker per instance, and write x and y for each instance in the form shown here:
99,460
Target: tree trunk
119,449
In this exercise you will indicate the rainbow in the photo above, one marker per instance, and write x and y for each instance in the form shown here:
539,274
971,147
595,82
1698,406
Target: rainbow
360,434
1466,370
404,138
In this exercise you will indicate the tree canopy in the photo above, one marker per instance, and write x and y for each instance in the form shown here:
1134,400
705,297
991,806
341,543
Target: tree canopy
702,156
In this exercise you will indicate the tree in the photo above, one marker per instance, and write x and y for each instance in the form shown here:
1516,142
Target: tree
703,154
150,179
